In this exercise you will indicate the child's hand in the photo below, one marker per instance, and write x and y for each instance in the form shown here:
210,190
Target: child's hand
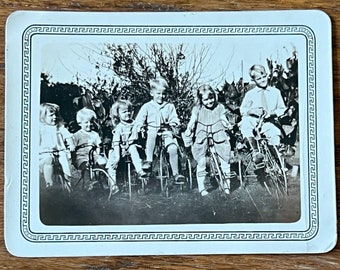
227,124
72,147
175,129
187,132
113,162
133,136
70,144
130,141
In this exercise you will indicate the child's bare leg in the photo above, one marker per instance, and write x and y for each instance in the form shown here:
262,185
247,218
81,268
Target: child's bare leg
173,159
113,175
150,146
201,173
136,160
85,175
112,172
48,174
225,166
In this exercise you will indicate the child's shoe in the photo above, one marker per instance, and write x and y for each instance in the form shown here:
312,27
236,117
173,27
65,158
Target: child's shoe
147,165
179,179
204,193
114,190
49,185
142,174
257,157
227,191
226,187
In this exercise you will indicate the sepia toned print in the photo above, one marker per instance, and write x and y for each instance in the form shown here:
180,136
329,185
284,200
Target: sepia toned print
182,144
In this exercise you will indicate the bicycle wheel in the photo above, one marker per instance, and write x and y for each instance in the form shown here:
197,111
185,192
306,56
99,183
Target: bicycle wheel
275,180
161,169
246,170
282,170
64,183
59,180
100,177
188,171
215,169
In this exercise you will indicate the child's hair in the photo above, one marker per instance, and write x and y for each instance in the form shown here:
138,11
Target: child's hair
85,114
49,108
160,82
114,111
257,70
205,88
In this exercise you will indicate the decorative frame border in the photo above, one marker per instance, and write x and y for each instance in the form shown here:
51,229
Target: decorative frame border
311,114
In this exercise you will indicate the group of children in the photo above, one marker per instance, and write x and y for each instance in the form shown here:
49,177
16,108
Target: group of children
152,117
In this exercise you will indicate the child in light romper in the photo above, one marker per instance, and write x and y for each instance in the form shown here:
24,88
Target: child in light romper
155,114
53,136
120,114
85,139
208,112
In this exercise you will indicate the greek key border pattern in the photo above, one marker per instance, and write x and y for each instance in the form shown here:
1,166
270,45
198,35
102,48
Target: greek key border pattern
305,31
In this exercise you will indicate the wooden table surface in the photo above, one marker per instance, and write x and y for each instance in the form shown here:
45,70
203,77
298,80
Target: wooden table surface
330,260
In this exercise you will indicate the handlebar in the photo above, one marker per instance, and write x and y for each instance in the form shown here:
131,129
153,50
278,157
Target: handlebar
164,128
209,132
54,152
210,126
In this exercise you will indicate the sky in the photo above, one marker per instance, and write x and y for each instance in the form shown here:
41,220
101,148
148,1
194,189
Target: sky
229,59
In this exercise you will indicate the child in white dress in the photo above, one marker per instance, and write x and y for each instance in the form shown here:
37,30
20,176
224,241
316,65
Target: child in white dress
120,113
208,112
53,136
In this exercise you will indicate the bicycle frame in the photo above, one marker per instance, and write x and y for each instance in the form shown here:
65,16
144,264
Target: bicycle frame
58,173
164,173
95,173
272,168
215,165
162,136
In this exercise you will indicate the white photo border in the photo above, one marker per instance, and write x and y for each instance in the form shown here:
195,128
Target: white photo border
311,115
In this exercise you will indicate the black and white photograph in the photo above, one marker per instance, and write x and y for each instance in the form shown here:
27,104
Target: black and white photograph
146,133
167,133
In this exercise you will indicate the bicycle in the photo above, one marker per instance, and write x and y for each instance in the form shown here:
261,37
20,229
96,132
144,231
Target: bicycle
58,177
213,160
97,175
271,171
161,166
131,178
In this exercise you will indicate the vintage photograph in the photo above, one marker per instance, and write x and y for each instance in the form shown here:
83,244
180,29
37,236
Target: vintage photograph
169,133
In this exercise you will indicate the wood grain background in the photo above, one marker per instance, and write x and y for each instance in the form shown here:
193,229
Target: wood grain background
330,260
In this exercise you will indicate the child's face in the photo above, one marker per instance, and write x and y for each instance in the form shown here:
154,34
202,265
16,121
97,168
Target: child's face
51,118
86,124
124,113
261,80
208,100
159,94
